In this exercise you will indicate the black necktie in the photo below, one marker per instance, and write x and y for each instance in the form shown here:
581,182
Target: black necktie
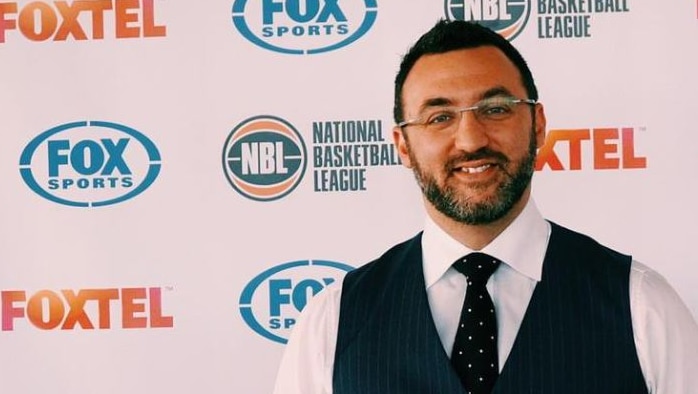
474,354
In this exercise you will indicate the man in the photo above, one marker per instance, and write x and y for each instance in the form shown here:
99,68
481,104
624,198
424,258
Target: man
555,312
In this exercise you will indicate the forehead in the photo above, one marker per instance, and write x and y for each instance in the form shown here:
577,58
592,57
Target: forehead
461,77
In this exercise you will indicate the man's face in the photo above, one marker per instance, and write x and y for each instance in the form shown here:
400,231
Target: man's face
478,169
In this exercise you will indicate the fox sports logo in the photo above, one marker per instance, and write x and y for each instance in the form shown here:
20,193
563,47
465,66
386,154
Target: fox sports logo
303,26
272,301
506,17
89,163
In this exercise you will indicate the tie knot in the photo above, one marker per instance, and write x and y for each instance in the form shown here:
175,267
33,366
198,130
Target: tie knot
477,266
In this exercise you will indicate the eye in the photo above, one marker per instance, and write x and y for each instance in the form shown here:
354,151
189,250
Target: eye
440,117
497,109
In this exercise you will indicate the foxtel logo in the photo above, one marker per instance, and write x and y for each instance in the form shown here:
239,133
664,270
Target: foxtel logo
48,310
58,20
608,148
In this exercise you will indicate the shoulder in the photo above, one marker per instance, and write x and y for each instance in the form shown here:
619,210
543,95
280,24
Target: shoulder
654,296
384,265
584,245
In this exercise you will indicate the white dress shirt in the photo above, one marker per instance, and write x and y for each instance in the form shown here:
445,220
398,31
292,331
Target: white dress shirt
665,333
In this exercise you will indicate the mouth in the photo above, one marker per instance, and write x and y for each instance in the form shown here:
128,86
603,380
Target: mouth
474,167
478,166
475,170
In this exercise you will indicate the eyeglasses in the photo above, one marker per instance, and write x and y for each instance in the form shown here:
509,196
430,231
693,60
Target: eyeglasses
489,110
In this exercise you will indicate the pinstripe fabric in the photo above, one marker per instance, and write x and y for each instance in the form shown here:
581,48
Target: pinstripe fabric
576,335
380,348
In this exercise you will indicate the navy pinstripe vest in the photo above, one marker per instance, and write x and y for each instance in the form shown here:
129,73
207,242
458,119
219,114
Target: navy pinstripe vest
576,335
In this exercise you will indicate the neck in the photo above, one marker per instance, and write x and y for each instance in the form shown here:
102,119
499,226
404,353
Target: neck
477,236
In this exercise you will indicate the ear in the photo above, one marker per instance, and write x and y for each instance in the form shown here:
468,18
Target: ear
402,146
540,125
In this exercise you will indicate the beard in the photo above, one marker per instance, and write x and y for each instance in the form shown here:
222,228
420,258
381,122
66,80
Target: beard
456,206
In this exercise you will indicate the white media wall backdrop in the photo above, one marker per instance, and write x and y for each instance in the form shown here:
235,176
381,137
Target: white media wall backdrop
179,178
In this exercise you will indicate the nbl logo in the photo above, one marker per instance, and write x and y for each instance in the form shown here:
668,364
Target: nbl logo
264,158
90,163
272,301
303,26
506,17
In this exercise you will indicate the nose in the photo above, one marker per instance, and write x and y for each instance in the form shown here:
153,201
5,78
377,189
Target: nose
470,133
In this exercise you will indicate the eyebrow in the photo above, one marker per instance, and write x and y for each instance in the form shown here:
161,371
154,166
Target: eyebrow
444,102
495,92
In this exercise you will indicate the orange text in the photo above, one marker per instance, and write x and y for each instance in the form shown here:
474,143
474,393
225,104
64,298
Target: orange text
58,20
48,310
611,148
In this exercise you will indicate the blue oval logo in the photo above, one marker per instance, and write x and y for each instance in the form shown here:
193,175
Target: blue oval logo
506,17
272,301
89,163
301,27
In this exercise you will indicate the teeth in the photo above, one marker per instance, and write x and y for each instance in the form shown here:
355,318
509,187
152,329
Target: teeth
476,170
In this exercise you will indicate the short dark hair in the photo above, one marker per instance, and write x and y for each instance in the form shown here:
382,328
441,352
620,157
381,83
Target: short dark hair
448,36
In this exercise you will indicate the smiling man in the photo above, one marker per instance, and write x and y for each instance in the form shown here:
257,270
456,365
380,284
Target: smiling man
490,297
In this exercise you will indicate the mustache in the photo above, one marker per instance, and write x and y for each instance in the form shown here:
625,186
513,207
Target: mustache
483,153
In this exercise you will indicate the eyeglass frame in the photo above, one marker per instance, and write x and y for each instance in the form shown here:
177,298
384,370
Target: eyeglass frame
512,100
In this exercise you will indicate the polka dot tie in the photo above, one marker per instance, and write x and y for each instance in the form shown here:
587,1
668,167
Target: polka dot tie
474,354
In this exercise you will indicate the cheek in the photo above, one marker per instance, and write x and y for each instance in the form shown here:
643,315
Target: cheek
430,156
402,146
513,146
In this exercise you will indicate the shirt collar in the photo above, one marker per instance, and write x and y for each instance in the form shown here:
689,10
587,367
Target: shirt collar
521,246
